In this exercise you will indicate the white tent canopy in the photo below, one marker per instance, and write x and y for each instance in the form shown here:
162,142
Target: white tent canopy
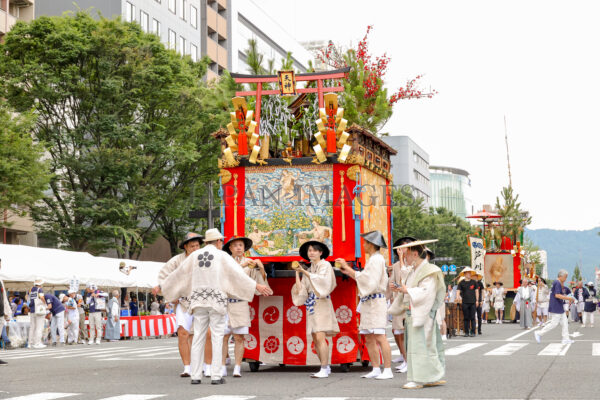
21,265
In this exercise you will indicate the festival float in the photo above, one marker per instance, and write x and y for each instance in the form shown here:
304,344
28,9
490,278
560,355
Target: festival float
330,184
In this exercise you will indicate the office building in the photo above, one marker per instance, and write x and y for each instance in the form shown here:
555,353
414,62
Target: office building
250,21
410,166
12,11
451,189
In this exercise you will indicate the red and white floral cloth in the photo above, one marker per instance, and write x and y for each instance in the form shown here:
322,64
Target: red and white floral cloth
278,334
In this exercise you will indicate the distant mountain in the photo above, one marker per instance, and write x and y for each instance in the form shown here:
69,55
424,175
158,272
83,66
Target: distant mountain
567,248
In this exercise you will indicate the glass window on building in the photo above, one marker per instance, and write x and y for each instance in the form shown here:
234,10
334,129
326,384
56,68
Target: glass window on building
156,26
172,6
194,16
182,5
181,45
144,21
172,39
129,12
194,52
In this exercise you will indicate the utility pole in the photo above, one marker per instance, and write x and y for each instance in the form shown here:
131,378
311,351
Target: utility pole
507,156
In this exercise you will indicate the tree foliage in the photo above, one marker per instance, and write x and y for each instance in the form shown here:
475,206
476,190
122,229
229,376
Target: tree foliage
23,174
411,218
124,125
514,219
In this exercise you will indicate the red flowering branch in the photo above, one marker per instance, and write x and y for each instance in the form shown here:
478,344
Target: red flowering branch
374,71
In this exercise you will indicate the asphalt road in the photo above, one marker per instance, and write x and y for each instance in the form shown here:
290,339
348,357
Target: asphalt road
503,363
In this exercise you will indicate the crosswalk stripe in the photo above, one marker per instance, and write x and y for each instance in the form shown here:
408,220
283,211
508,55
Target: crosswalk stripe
324,398
506,350
224,397
596,349
555,349
147,350
61,353
454,351
134,397
414,398
43,396
160,352
94,353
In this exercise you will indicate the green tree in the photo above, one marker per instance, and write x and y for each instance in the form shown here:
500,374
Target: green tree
23,176
514,219
411,218
122,120
577,273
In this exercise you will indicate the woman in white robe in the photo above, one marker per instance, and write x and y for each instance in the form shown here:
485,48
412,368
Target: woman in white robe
498,301
425,291
314,291
372,283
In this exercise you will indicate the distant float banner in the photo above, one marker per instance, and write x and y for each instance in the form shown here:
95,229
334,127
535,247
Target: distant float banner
477,255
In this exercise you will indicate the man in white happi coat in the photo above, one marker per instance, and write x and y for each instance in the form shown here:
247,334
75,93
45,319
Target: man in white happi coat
425,292
238,311
372,283
208,277
184,318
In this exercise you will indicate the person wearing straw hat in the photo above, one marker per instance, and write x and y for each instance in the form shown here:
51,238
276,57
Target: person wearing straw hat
469,296
184,319
399,273
440,315
372,283
209,276
313,291
425,290
590,305
238,311
498,296
36,318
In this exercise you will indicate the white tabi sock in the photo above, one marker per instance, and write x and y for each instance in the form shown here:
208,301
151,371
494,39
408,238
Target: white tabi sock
186,369
386,374
373,374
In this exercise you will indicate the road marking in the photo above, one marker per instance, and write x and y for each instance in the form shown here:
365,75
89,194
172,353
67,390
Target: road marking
43,396
555,349
396,352
510,339
140,351
576,334
160,352
596,349
454,351
506,350
94,353
323,398
414,398
135,397
138,359
223,397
